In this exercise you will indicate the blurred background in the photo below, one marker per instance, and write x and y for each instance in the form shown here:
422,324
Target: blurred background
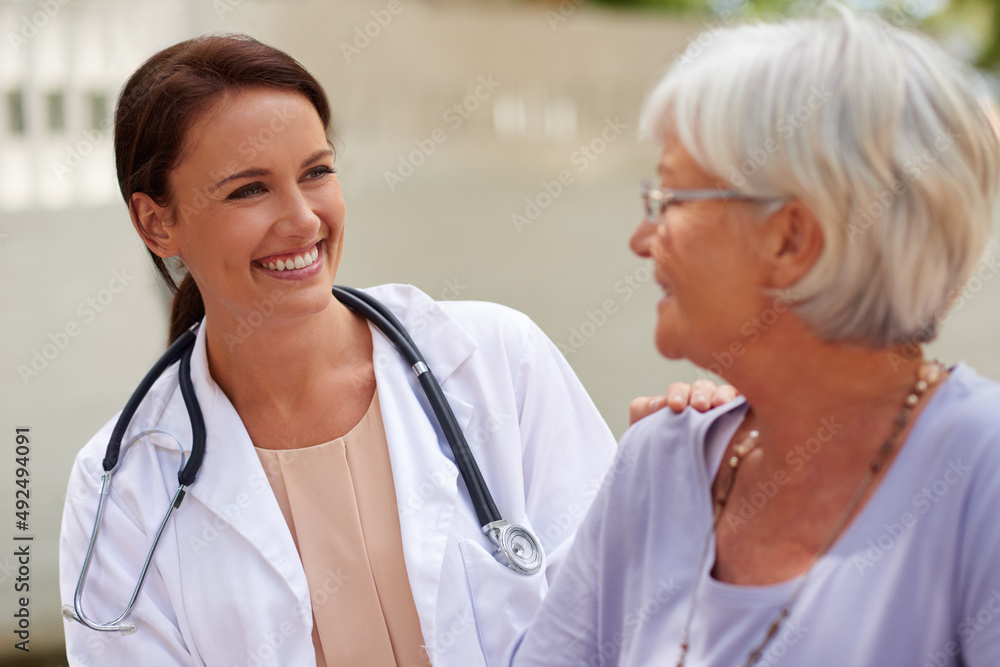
521,92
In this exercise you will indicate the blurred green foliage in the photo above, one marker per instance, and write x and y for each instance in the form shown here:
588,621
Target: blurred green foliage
970,27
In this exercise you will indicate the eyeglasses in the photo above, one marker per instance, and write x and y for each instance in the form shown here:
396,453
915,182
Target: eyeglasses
656,200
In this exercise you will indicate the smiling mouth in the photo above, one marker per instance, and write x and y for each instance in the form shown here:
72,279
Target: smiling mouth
665,286
289,261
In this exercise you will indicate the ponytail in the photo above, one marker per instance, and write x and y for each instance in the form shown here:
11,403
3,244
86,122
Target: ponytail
186,308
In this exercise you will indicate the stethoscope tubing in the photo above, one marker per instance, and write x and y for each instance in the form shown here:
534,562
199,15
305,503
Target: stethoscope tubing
378,314
180,349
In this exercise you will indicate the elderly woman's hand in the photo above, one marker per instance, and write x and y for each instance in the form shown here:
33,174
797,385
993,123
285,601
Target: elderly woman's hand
703,395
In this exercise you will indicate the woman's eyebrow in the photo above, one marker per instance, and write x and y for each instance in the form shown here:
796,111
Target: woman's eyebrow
316,156
257,171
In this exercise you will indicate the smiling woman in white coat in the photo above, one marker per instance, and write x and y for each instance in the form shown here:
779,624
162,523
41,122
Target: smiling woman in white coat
329,523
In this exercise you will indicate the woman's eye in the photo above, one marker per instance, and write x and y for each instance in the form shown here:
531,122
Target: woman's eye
247,191
320,172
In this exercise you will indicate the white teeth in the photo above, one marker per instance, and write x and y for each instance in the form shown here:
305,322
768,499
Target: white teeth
299,262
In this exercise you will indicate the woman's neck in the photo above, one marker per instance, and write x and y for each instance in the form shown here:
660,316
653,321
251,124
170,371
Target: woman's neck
804,390
280,362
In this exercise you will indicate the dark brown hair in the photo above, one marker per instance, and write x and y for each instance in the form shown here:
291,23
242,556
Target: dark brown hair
165,96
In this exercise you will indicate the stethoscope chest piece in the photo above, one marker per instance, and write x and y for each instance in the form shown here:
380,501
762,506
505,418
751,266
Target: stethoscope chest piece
516,547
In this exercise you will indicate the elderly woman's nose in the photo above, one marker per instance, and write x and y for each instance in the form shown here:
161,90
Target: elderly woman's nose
643,238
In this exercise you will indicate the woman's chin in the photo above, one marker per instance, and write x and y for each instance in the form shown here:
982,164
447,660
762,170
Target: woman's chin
668,348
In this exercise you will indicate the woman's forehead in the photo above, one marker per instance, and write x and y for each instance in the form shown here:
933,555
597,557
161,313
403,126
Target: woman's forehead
251,125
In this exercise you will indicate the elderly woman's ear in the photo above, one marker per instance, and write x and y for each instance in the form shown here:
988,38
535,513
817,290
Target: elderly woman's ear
793,242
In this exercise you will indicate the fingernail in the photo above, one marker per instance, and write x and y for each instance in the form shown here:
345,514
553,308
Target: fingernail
656,403
698,397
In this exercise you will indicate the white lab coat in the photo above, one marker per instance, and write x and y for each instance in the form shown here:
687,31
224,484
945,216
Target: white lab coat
226,586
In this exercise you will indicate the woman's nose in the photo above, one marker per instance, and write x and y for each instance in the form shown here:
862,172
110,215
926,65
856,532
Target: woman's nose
298,217
642,238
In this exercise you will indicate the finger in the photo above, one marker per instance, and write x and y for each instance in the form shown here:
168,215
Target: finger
643,406
678,395
724,394
702,393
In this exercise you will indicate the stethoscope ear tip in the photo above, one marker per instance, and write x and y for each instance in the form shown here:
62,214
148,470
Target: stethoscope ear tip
124,628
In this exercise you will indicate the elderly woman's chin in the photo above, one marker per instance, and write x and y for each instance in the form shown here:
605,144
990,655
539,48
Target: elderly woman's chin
672,337
696,337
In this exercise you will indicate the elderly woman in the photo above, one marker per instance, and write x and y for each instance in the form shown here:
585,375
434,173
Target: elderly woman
826,187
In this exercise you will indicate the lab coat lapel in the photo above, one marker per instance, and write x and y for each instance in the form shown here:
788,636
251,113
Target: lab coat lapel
232,483
424,475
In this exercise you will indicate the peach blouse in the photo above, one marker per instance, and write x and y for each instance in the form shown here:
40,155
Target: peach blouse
340,505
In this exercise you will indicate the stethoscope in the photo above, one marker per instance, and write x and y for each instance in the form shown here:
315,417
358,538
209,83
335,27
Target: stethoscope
516,546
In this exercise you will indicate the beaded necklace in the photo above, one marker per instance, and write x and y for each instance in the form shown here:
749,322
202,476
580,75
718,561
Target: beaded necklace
928,374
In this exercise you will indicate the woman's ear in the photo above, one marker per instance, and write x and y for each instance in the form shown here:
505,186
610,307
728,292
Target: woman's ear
795,243
151,222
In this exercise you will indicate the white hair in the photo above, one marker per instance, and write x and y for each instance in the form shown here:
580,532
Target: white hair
887,139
